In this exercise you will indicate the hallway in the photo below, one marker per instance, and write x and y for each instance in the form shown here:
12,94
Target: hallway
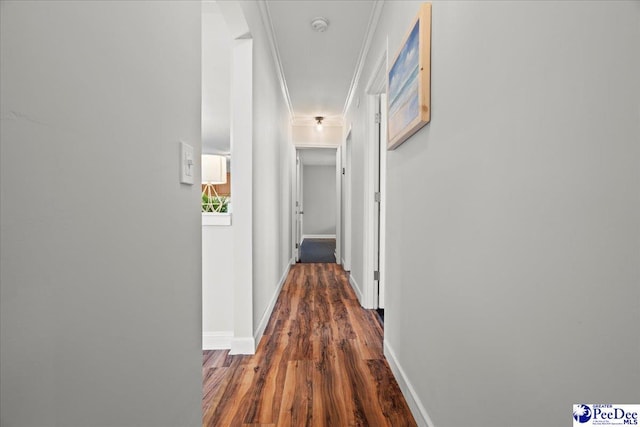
319,363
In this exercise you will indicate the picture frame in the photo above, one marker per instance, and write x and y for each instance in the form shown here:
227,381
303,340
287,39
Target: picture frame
409,82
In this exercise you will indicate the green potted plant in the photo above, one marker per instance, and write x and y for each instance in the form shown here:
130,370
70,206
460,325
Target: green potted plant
218,204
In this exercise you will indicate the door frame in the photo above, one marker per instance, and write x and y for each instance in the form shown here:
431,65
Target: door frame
294,191
297,203
345,204
375,90
298,206
338,206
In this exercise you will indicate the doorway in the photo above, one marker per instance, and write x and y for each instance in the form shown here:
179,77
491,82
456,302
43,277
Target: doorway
299,211
376,208
316,205
345,203
375,182
379,217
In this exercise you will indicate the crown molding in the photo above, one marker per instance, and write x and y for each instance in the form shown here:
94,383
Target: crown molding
275,53
371,29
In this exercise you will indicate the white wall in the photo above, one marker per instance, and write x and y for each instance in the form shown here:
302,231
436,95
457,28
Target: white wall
271,175
242,190
100,250
513,240
319,200
217,286
305,135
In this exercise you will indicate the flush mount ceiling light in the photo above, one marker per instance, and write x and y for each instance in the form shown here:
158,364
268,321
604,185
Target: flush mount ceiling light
319,120
319,24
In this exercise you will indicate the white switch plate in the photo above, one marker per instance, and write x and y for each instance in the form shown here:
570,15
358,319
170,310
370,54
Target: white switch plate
187,165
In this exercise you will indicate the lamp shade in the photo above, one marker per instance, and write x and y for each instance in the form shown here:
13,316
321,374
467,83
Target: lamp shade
214,169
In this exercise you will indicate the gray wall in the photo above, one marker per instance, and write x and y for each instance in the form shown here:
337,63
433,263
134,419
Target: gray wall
100,250
513,240
319,199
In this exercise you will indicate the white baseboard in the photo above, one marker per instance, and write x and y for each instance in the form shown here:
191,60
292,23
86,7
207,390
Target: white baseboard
267,313
417,409
242,345
318,236
355,287
218,340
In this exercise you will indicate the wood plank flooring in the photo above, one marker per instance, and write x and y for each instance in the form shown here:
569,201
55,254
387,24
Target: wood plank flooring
319,363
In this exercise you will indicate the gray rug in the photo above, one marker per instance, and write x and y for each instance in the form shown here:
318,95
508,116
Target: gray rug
318,250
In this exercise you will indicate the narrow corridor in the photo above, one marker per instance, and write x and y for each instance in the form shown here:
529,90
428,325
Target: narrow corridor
319,363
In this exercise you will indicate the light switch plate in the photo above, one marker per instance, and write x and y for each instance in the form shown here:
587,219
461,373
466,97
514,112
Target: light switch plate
187,165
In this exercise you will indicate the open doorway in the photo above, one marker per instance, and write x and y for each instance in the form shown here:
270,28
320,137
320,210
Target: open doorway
345,202
316,205
227,251
375,183
217,228
379,164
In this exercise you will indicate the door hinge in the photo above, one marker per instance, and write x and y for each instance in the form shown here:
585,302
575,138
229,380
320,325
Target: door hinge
377,197
378,117
297,246
343,171
376,275
296,203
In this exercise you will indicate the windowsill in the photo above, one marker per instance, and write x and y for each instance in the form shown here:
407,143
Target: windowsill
214,218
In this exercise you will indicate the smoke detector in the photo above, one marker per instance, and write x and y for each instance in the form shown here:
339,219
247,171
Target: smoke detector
319,24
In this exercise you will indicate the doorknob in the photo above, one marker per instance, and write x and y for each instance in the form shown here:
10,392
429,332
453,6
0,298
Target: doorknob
301,212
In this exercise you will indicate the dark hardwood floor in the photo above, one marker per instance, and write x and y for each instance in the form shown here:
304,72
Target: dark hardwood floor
319,363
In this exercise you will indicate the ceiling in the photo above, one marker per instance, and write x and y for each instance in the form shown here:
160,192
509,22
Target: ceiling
319,68
317,71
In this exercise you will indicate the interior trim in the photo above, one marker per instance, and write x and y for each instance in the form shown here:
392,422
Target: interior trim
355,287
267,313
415,405
275,52
371,29
218,340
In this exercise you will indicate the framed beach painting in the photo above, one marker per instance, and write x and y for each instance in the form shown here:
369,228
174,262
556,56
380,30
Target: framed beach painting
409,81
